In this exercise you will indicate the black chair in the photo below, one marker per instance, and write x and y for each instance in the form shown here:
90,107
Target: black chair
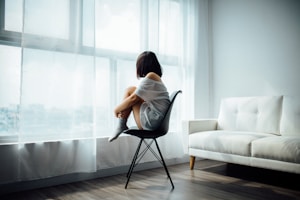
152,135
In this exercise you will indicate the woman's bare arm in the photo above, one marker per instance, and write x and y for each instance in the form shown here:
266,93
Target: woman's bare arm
126,104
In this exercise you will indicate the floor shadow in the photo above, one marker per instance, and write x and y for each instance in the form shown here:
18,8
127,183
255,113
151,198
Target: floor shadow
265,176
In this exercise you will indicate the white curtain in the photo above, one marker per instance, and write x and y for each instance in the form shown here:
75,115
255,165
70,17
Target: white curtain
65,68
56,128
195,61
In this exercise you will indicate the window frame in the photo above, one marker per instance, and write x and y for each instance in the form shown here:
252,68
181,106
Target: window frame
72,46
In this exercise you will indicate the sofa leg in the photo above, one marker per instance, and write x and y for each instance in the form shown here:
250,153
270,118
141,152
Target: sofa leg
192,162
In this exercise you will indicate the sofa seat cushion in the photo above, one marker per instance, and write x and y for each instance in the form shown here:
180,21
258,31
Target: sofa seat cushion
231,142
283,148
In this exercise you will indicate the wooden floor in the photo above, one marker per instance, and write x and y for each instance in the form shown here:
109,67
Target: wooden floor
209,180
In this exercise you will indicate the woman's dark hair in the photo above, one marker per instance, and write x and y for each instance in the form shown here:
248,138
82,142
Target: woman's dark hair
147,62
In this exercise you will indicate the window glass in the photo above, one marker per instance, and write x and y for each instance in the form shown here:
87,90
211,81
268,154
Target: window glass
169,31
10,73
46,18
172,77
88,23
118,25
126,76
57,95
13,15
104,105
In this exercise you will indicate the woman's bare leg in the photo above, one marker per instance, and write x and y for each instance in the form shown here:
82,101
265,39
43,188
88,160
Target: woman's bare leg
135,108
128,92
125,115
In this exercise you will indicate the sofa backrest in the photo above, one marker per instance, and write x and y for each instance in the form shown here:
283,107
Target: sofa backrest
258,114
290,119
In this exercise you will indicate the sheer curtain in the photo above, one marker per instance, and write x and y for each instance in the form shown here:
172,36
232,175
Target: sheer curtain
56,129
64,68
195,60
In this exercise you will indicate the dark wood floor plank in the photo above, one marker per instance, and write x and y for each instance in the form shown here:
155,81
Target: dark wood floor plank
208,180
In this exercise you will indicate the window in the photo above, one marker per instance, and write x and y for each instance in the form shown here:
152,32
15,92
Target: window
62,72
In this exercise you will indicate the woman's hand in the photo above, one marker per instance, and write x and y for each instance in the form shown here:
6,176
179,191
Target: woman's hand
120,115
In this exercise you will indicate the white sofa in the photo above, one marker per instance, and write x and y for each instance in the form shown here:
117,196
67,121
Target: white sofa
259,131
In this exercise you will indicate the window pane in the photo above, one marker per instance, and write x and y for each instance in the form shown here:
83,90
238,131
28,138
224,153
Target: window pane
13,15
88,23
57,95
10,70
46,18
172,77
169,30
126,76
104,105
173,80
118,25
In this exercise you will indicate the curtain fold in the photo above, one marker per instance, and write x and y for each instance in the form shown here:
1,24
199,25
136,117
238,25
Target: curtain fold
194,60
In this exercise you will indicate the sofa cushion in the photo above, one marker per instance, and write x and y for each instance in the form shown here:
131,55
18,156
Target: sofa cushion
232,142
290,121
283,148
256,114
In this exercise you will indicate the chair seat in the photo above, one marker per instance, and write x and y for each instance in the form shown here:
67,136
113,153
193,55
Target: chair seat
146,134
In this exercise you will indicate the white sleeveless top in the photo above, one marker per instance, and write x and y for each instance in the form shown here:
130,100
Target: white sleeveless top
156,98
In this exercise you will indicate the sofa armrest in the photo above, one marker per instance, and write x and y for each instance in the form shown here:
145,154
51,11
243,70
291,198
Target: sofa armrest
198,125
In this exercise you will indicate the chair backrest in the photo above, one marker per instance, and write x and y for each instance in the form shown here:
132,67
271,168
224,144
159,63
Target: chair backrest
164,126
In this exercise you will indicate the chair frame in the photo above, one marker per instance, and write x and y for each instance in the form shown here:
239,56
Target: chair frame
152,135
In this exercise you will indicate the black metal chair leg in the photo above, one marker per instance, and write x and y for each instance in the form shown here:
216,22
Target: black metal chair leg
134,157
164,164
133,163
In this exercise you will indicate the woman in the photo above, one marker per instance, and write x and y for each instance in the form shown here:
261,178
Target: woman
148,101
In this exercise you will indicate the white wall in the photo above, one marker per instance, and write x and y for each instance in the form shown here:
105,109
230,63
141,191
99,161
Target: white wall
255,48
